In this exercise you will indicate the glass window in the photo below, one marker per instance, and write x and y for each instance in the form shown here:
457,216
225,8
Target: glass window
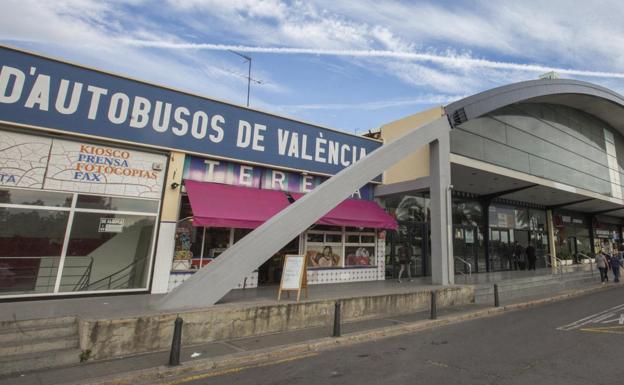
324,255
367,238
315,237
333,238
30,248
35,198
353,238
116,203
116,249
359,255
217,240
240,233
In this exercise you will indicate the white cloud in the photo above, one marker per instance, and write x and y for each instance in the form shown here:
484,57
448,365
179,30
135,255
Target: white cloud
450,60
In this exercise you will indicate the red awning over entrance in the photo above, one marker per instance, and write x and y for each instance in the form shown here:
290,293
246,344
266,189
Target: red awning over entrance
357,213
220,205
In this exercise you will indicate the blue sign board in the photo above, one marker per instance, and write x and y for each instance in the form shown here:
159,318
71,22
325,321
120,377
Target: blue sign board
47,93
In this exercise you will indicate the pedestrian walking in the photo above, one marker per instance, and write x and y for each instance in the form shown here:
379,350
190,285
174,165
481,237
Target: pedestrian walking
615,267
531,257
518,260
601,263
608,258
405,259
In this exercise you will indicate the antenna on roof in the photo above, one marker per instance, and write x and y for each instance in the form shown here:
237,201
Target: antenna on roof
248,77
549,76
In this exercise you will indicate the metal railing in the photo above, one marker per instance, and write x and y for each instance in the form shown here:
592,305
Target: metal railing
41,276
466,263
558,263
591,261
120,279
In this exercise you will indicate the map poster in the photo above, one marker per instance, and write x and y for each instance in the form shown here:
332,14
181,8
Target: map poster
99,169
23,159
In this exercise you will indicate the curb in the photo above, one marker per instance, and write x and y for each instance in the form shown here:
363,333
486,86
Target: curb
164,373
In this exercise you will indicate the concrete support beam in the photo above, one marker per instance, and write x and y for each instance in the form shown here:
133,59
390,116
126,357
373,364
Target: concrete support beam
442,264
211,283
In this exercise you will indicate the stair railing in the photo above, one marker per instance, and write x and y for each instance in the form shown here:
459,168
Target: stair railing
466,263
591,261
116,279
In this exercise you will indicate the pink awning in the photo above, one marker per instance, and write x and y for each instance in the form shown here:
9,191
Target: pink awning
357,213
221,205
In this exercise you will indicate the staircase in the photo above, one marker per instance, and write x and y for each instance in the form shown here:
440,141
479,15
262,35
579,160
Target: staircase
38,344
538,285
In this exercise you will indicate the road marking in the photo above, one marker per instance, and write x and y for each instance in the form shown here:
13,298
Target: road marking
605,329
594,318
223,372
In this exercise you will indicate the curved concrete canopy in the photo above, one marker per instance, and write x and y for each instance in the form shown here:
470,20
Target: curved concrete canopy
599,101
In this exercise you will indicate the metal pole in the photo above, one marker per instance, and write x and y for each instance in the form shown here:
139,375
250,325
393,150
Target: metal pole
337,319
434,307
496,298
248,80
176,343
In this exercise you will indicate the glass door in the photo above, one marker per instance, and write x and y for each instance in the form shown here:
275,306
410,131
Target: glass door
465,248
410,242
500,249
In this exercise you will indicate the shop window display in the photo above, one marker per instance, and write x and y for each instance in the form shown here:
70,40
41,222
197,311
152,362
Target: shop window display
332,247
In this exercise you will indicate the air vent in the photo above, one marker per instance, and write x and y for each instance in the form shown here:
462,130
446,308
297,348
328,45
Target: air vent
459,117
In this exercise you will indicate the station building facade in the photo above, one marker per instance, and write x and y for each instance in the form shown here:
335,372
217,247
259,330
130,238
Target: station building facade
114,185
538,162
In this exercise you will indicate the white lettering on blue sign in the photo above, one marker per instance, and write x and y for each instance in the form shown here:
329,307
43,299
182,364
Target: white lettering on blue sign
83,101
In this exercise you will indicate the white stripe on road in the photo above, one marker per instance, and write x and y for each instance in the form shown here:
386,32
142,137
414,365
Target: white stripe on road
594,318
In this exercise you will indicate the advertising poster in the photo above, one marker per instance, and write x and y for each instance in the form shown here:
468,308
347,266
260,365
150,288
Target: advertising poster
99,169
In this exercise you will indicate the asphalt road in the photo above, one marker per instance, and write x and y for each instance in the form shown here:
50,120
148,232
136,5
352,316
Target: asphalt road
578,341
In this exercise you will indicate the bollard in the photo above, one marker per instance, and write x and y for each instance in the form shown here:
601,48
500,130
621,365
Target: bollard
337,319
176,343
434,307
496,299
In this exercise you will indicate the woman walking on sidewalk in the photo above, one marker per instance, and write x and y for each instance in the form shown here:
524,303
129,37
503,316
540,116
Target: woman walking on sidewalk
615,266
601,263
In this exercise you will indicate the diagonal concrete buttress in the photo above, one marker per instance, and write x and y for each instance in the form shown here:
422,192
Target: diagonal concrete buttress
214,281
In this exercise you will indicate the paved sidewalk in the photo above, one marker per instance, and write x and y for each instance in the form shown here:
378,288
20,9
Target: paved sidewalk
89,371
267,345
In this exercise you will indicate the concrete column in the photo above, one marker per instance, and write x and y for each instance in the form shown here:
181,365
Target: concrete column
485,212
551,239
442,266
168,221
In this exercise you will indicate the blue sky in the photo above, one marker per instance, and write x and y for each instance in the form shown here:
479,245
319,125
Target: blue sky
350,65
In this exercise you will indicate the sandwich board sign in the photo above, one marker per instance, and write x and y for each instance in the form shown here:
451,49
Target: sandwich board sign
294,276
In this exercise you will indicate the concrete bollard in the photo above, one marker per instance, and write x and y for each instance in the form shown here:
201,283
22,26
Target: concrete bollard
176,343
337,319
434,307
496,298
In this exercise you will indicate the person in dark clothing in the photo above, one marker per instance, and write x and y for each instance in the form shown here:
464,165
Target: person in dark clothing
608,258
405,259
531,257
615,263
518,261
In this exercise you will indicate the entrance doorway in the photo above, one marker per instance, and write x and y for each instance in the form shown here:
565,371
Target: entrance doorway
270,273
409,242
466,248
501,241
